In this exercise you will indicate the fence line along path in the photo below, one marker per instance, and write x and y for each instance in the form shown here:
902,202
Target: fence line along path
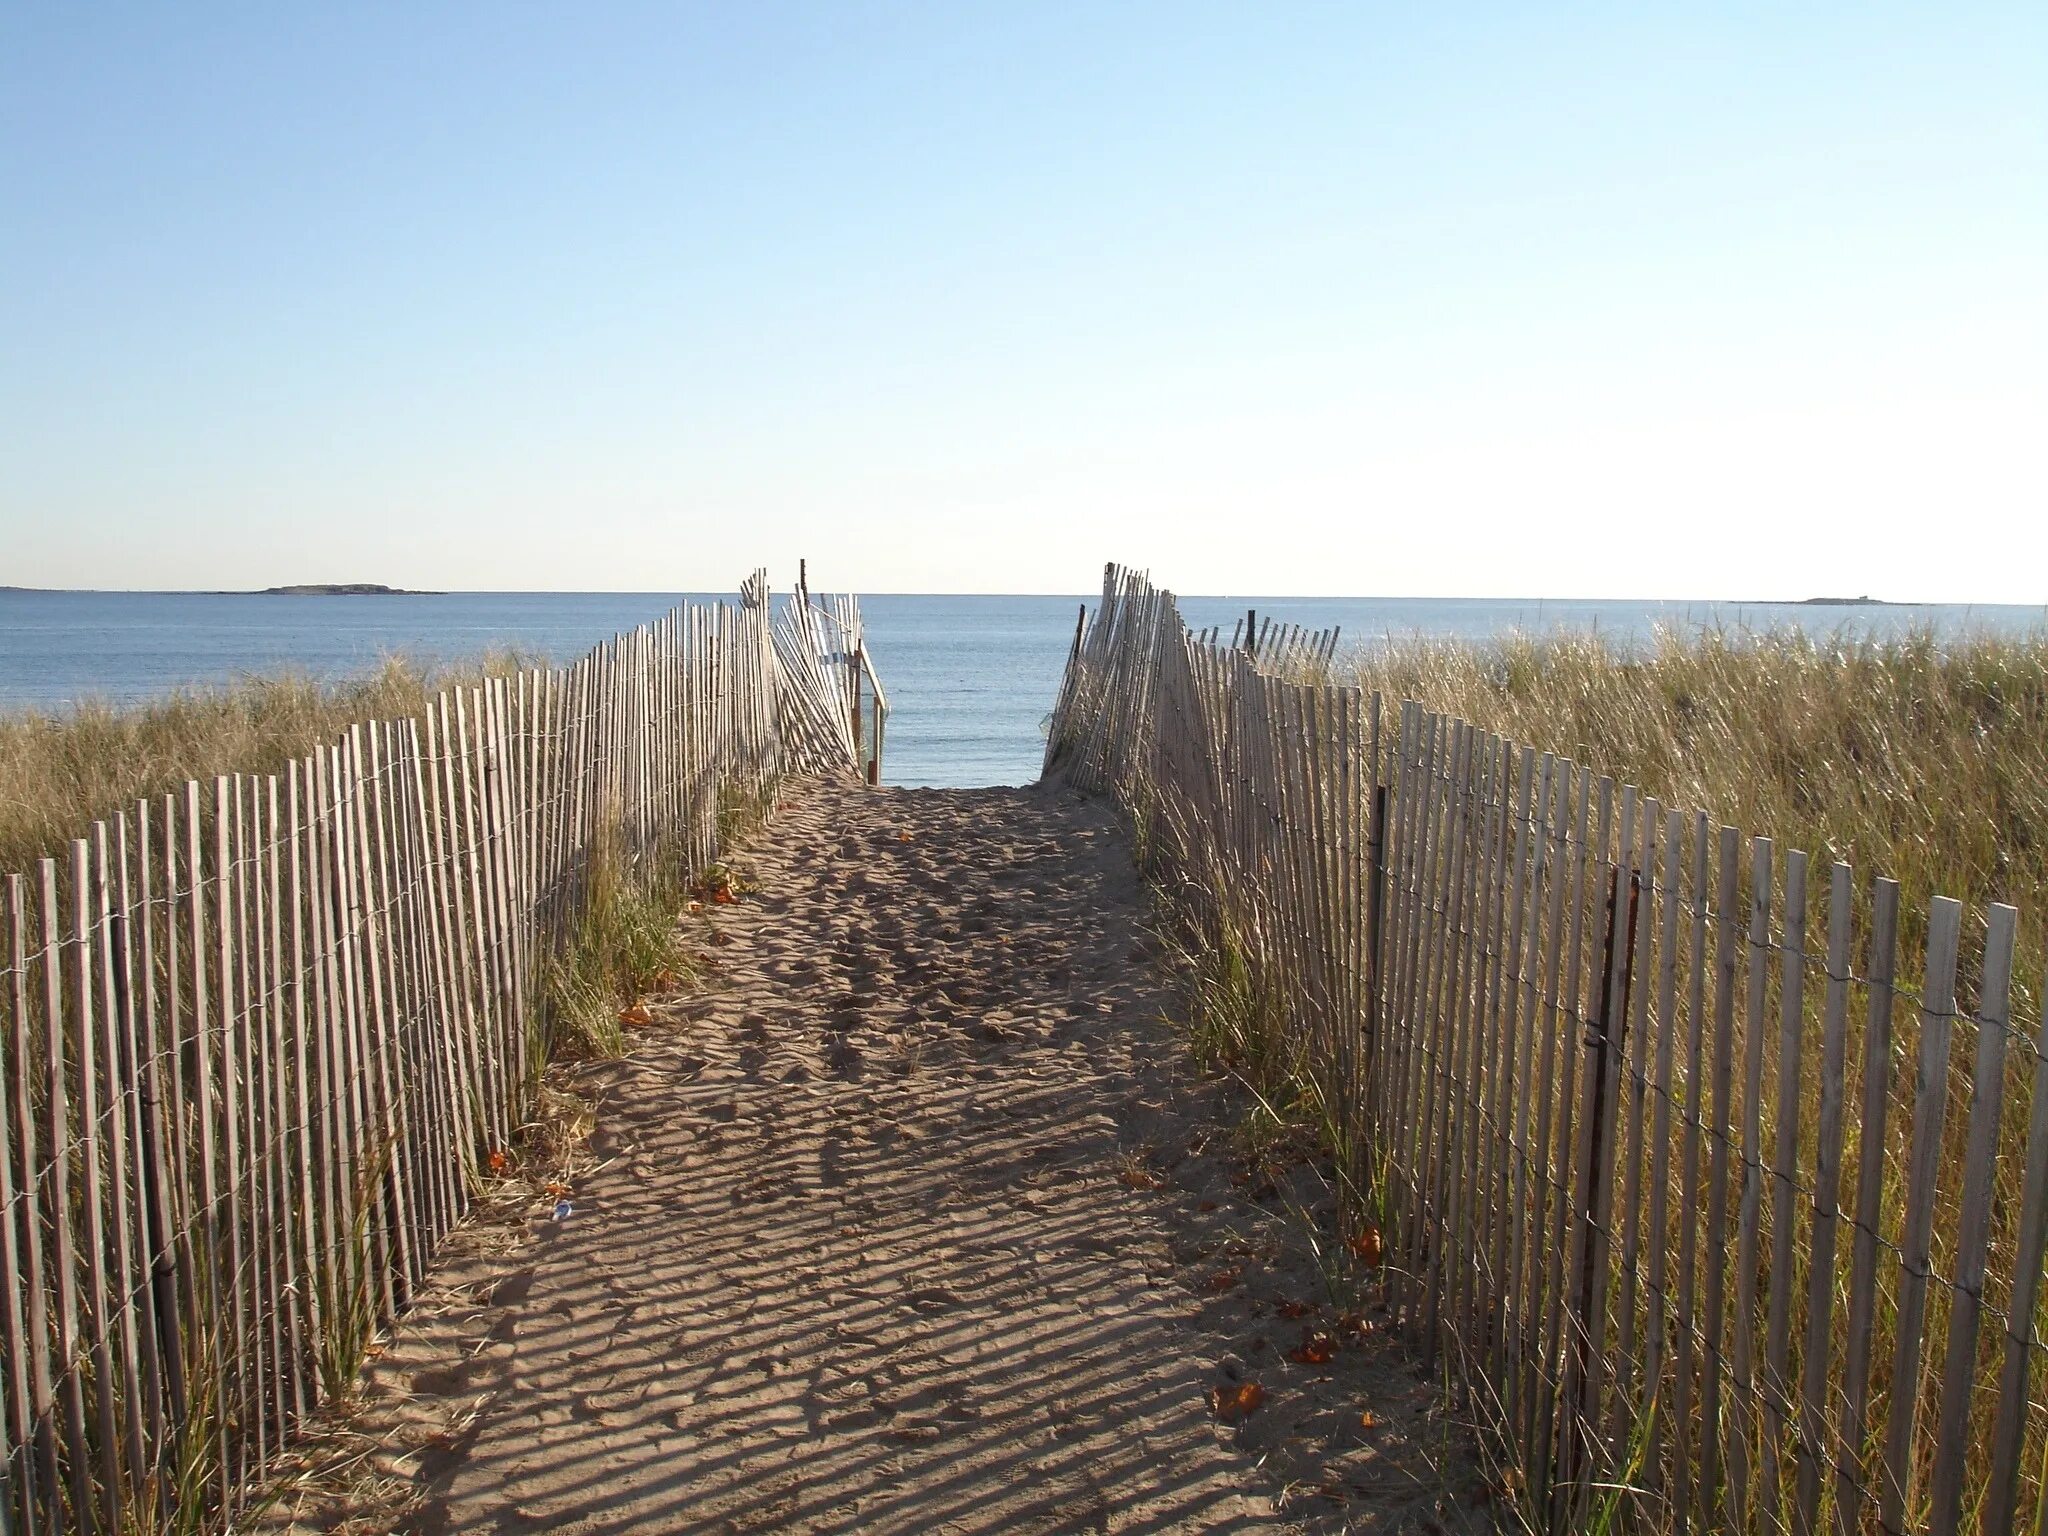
1720,1180
259,1036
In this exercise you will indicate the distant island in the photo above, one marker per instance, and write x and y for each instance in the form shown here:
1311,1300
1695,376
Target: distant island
340,589
304,589
1865,601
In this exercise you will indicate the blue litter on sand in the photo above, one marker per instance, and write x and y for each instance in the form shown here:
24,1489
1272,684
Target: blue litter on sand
562,1209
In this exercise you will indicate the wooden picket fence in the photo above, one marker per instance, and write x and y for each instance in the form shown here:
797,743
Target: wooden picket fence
260,1038
1725,1203
836,705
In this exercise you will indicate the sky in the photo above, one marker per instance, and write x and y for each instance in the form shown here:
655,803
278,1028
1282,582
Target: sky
1615,301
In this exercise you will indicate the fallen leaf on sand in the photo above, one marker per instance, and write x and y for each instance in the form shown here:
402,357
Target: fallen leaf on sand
1224,1279
1316,1348
665,979
1141,1178
1293,1309
498,1161
556,1188
1232,1403
902,837
1368,1420
723,896
637,1014
1367,1246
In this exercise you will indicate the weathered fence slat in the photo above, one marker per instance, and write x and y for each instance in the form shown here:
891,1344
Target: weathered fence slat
1871,1132
1812,1447
1993,1020
1930,1109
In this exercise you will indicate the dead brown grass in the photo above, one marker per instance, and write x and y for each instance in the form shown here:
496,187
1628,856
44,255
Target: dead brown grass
59,773
1920,759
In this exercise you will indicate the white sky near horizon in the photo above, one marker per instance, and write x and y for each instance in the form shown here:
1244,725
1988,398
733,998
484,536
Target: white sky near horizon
1745,302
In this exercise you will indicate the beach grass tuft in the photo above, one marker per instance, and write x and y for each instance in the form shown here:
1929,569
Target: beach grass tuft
62,771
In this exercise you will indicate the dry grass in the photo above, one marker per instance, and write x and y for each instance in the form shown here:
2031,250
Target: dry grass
1922,760
625,945
59,773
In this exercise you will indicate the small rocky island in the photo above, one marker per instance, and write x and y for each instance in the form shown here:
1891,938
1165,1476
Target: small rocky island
340,589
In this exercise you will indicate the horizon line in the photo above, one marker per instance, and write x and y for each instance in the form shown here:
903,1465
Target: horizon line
1863,601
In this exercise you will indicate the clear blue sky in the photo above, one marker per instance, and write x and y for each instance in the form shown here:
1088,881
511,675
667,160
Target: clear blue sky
1632,300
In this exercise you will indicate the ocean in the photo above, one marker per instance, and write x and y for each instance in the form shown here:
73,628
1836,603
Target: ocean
970,678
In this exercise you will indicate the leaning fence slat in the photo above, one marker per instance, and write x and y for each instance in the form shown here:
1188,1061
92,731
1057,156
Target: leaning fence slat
1513,1102
1689,1444
302,1252
210,1282
1744,1418
1930,1108
1726,960
272,1165
1777,1387
77,1454
27,1339
1812,1447
101,1302
1871,1133
1642,1414
1632,1379
1587,833
1547,1018
1973,1233
140,1407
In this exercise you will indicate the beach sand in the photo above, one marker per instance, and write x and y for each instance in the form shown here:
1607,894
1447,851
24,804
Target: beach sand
915,1217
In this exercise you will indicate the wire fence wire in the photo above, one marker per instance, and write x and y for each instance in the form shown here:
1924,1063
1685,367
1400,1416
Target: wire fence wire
1726,1203
259,1039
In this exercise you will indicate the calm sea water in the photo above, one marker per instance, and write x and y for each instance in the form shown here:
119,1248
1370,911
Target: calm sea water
969,678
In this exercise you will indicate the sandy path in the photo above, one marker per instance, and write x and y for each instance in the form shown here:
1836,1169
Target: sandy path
869,1245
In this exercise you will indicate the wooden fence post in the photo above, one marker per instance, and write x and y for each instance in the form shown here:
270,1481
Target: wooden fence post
1375,909
1606,1041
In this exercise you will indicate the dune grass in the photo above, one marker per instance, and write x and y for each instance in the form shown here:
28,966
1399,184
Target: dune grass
60,772
625,945
1921,759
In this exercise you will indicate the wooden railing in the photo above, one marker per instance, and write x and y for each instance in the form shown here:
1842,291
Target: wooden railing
1727,1213
260,1038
